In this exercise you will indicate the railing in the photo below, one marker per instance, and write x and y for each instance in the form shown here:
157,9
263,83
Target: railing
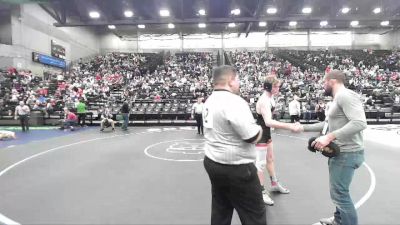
171,117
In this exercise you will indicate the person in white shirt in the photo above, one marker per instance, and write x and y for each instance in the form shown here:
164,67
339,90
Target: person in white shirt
294,110
5,134
22,111
231,134
197,110
107,120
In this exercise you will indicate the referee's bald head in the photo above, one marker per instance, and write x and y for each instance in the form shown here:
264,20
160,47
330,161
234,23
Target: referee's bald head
337,75
223,74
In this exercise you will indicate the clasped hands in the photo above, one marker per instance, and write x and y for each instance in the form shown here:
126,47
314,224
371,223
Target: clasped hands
319,143
296,127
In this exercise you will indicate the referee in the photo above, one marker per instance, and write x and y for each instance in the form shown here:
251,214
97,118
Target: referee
22,111
197,110
231,134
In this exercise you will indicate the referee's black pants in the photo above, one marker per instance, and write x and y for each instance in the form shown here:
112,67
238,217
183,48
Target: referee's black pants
235,187
294,118
24,121
199,123
81,118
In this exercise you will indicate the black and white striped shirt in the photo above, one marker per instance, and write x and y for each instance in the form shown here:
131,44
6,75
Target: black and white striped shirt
228,122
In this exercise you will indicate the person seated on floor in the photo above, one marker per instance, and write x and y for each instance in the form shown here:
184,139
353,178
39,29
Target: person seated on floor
4,135
107,120
70,120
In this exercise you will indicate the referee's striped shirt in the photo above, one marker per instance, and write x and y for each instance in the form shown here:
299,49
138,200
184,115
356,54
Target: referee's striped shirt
228,122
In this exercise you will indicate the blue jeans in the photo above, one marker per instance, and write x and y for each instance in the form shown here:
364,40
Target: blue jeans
307,116
125,116
69,123
341,172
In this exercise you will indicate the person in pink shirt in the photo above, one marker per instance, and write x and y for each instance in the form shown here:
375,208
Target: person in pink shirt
70,120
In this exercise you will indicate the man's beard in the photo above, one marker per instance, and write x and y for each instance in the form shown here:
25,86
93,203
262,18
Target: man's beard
328,91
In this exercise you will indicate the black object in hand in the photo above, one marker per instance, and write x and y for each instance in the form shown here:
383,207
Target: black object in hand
331,150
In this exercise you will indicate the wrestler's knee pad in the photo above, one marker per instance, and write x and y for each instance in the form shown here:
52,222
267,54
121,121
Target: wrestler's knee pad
261,165
261,161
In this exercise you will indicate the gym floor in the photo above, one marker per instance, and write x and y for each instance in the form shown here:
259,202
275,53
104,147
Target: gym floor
155,175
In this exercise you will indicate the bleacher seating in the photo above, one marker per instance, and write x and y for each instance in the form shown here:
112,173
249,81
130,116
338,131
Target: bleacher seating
164,86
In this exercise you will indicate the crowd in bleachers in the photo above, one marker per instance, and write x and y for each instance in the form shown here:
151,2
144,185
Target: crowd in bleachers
107,81
182,76
375,77
157,83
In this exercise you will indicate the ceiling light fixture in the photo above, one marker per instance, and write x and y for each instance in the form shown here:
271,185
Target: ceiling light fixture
306,10
345,10
262,24
385,23
377,10
202,12
94,15
271,10
354,23
235,12
128,13
164,12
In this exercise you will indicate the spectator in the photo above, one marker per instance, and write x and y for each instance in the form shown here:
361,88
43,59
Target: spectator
320,110
81,110
294,110
70,120
107,120
125,115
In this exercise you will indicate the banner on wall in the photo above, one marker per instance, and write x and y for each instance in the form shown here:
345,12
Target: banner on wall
48,60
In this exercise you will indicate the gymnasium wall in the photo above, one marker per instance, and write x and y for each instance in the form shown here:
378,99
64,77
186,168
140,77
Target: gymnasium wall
254,41
392,39
33,31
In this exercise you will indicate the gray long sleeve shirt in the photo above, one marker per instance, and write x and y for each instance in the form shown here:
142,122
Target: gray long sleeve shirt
346,119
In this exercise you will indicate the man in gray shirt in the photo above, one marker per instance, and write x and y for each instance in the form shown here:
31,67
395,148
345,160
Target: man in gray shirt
231,133
346,122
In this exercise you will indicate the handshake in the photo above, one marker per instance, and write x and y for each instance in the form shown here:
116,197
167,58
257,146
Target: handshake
296,127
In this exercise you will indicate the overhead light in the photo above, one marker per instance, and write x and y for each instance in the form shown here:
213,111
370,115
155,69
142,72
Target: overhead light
271,10
231,25
345,10
354,23
235,12
377,10
202,25
262,24
171,26
128,13
306,10
323,23
164,12
141,26
111,27
202,12
292,23
94,14
385,23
